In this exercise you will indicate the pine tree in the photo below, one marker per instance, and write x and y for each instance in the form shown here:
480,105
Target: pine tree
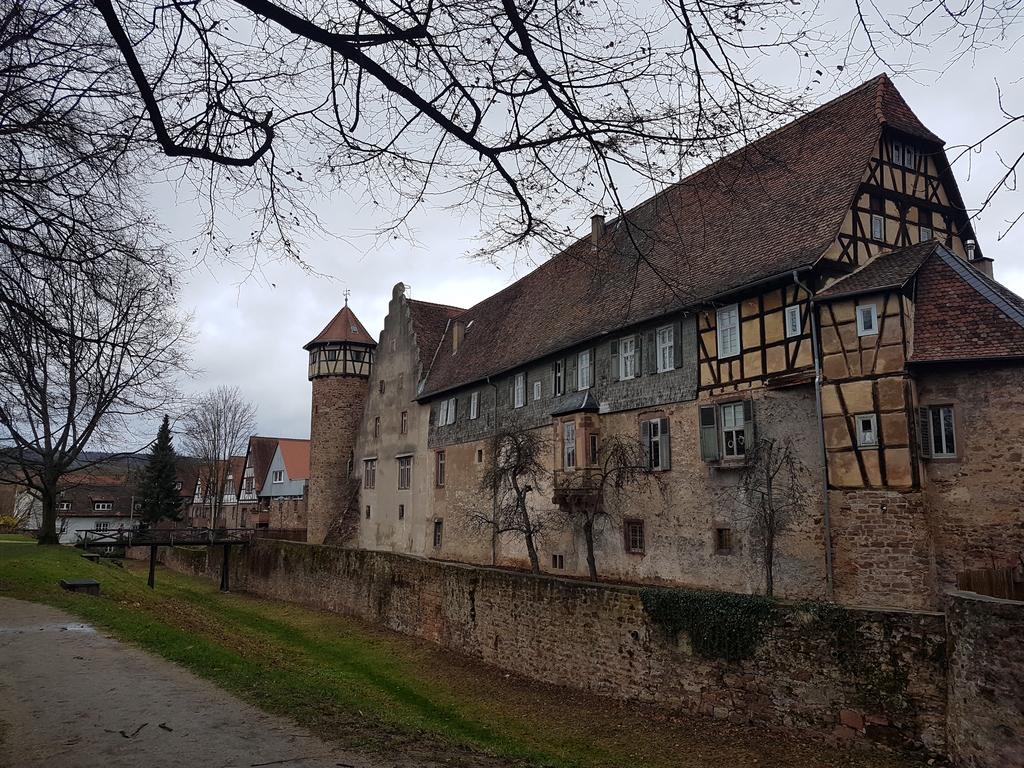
160,499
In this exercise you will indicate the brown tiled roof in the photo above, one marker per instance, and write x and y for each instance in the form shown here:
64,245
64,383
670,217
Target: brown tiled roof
770,208
960,314
296,457
428,323
345,326
261,453
889,270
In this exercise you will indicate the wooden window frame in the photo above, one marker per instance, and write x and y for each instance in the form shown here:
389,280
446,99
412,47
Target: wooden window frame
726,311
862,329
404,423
660,347
537,390
277,476
438,533
792,314
740,428
557,562
939,408
519,390
404,467
474,405
401,511
369,474
584,370
632,358
439,469
873,418
568,426
627,527
558,376
728,539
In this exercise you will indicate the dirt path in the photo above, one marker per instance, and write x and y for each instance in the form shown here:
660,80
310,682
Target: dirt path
71,697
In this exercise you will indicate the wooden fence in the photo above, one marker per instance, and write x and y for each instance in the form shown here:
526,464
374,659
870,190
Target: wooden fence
1007,583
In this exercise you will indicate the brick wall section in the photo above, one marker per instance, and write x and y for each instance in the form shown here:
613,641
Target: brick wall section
337,411
881,544
986,681
598,638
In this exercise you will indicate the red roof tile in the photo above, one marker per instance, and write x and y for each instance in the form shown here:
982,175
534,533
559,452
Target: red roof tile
345,326
296,457
769,208
889,270
429,322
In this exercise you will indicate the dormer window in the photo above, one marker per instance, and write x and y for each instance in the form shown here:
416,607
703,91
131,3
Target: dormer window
877,218
904,154
278,476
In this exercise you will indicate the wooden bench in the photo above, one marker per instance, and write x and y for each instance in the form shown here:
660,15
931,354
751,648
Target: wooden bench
86,586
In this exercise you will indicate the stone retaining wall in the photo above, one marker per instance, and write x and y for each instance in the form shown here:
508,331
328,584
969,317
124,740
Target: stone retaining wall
867,675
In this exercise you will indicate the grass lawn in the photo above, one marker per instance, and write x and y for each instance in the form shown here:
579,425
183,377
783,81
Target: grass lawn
378,690
16,537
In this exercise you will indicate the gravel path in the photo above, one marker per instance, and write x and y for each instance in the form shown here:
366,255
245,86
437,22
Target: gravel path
71,697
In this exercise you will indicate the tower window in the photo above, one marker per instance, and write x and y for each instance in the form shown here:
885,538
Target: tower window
723,541
438,533
405,422
367,511
381,386
401,511
376,426
439,469
369,473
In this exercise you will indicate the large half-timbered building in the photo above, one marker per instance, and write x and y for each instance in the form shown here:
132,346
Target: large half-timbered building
823,284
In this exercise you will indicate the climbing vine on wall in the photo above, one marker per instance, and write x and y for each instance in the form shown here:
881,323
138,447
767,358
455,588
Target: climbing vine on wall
720,625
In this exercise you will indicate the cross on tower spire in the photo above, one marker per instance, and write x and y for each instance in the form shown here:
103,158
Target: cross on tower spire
346,293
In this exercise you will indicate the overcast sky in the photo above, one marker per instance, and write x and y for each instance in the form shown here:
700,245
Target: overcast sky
252,327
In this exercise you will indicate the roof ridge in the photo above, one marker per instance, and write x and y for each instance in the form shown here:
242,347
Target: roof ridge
434,304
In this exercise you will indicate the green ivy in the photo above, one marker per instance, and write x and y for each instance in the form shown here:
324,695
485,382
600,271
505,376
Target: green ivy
720,625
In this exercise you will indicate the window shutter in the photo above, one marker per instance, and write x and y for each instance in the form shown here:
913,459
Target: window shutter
666,445
512,392
645,440
924,432
638,354
453,413
709,449
593,369
650,353
677,344
613,351
554,378
571,382
749,433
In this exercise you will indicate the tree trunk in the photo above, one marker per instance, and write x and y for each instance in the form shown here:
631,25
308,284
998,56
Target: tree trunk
48,527
531,549
588,535
769,564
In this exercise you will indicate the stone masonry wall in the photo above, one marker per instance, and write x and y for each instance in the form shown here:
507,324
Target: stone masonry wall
986,681
858,674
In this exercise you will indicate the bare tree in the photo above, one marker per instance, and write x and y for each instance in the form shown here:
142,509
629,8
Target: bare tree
215,428
591,498
80,376
514,471
771,493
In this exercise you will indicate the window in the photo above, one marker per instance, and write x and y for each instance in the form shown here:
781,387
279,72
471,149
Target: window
519,391
102,525
439,469
924,229
627,358
654,435
479,455
64,506
867,430
401,511
666,349
558,377
793,324
103,506
734,439
635,536
569,445
247,485
593,456
558,562
583,370
332,354
404,473
367,511
447,411
937,427
723,541
536,390
474,405
278,476
381,386
867,320
404,423
369,473
728,324
438,533
925,233
376,426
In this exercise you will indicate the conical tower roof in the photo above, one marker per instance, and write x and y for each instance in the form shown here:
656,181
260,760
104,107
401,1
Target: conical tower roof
344,327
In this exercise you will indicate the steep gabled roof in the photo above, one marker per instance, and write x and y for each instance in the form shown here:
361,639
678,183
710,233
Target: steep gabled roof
772,207
429,322
261,453
296,457
345,326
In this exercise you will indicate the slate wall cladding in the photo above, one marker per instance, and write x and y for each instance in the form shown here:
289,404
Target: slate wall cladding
809,673
647,390
986,681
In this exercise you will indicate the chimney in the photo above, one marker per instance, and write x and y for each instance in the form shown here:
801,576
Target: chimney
596,229
458,334
980,263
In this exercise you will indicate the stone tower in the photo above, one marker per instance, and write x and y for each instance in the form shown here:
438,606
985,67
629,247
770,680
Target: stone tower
340,359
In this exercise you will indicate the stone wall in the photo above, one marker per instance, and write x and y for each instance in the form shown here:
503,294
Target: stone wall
856,674
986,681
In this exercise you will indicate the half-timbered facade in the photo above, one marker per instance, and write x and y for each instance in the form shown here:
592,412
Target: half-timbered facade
790,290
